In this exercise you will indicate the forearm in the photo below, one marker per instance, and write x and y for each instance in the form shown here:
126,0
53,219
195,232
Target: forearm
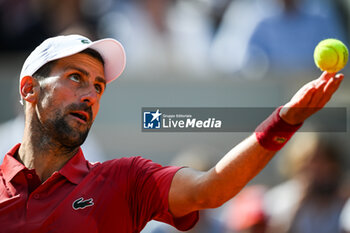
232,172
212,188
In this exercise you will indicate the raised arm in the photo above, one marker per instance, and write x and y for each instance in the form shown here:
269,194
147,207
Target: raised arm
193,190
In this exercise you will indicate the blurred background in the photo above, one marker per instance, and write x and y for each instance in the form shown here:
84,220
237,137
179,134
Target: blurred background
201,53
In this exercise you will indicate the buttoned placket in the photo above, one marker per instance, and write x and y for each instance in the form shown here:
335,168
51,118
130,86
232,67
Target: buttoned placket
39,194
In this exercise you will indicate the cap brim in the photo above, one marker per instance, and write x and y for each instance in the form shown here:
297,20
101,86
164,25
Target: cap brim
113,55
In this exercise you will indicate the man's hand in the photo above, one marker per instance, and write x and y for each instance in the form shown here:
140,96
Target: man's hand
311,98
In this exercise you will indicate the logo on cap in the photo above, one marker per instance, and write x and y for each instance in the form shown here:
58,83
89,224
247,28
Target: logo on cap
84,41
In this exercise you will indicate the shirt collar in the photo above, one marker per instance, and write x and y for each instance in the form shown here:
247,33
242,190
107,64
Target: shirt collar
10,167
76,168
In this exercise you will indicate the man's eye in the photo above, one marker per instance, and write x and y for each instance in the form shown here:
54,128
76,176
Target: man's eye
98,88
75,77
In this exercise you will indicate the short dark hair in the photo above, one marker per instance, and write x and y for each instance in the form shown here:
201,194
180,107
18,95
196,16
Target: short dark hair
46,69
93,53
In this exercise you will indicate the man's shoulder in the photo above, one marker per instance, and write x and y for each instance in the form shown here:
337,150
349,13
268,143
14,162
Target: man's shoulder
121,163
129,170
135,166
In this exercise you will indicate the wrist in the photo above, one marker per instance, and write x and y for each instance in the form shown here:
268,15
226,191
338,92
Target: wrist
287,117
275,132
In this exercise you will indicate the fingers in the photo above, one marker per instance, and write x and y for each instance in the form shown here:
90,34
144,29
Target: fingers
332,85
330,88
326,76
318,92
312,97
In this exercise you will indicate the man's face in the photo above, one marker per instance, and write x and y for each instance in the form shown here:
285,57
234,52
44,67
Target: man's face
69,99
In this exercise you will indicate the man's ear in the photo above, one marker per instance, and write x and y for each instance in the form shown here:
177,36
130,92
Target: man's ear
29,89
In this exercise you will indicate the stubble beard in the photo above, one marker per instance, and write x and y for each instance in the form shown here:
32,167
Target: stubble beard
66,135
59,131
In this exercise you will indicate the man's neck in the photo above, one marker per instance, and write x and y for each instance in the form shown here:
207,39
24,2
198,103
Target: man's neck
43,155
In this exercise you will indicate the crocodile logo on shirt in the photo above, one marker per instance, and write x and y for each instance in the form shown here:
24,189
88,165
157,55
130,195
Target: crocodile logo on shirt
80,203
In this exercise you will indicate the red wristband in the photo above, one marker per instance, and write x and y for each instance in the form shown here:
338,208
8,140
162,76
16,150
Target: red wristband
274,132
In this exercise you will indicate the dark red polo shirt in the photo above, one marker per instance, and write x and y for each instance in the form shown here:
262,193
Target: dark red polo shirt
119,195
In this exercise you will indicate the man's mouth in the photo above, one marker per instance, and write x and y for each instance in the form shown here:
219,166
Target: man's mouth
81,115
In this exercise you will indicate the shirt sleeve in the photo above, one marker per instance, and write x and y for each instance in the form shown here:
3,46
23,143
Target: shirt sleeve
149,185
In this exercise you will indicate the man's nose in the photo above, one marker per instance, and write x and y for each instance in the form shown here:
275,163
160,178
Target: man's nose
89,96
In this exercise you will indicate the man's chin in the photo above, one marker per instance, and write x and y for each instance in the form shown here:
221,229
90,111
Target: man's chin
70,134
73,138
72,142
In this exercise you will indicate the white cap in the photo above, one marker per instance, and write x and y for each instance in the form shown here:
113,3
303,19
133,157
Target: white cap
58,47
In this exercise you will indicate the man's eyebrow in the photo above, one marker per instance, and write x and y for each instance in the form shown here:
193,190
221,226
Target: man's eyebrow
78,69
101,80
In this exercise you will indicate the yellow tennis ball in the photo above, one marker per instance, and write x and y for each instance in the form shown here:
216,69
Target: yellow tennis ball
331,55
